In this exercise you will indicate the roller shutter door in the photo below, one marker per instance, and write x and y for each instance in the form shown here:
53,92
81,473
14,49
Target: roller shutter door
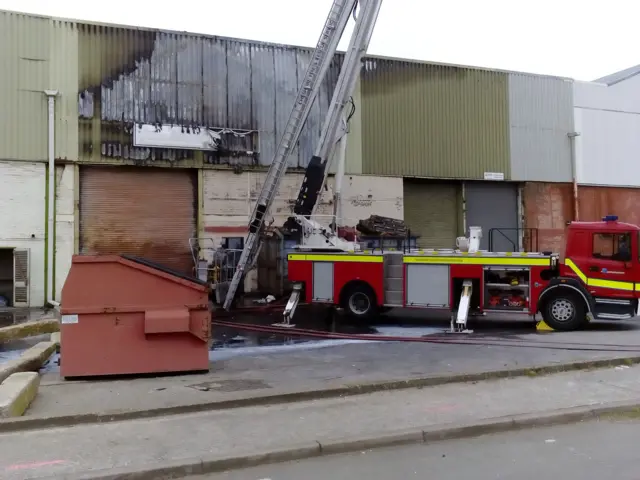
492,205
146,212
431,211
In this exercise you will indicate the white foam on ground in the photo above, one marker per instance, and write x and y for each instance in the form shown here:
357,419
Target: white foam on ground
226,353
384,330
398,331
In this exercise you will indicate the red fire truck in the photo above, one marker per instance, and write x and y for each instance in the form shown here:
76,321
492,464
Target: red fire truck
599,277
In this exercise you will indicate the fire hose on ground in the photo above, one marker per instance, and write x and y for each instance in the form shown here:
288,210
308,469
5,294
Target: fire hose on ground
434,339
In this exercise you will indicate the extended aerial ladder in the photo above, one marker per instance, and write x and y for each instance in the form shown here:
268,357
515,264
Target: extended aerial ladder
318,168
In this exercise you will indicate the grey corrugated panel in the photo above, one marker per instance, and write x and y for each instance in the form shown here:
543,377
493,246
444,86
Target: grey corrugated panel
239,85
167,77
311,130
494,205
214,79
434,121
263,79
286,74
431,211
540,117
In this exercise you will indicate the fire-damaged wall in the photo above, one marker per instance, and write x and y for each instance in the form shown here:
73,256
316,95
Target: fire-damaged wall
229,198
240,91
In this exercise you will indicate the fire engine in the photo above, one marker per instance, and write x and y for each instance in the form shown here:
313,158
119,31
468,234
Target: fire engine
598,278
595,279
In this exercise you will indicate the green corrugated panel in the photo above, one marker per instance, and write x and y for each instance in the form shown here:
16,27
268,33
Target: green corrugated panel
35,56
421,120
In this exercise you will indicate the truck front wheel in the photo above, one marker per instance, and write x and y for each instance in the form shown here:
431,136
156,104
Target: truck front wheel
565,311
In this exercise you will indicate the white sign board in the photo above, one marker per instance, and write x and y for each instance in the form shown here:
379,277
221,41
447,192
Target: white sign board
173,136
493,176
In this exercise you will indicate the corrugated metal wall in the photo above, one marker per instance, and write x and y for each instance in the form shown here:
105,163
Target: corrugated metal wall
149,76
439,121
540,117
608,118
37,54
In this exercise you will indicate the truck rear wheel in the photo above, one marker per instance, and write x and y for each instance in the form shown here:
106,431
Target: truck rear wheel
359,301
565,311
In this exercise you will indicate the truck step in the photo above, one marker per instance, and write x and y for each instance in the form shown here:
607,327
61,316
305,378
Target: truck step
393,297
394,284
393,271
613,316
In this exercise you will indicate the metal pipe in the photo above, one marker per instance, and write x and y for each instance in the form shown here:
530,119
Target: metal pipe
574,175
51,184
521,220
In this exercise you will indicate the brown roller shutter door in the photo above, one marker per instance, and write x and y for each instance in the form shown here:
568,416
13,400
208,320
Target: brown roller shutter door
146,212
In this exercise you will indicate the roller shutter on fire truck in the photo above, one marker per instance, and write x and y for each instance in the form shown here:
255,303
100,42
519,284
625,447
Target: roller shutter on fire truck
146,212
431,211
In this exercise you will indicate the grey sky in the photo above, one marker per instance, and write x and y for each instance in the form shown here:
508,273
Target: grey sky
583,40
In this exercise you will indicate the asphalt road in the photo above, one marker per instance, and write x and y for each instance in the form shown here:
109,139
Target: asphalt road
586,451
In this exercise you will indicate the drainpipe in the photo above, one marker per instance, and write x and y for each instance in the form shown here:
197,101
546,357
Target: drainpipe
51,182
574,169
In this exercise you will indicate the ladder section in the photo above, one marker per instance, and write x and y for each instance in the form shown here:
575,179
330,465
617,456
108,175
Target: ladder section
349,74
317,70
393,279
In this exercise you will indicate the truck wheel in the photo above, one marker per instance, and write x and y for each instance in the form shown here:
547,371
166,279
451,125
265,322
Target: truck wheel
565,311
360,302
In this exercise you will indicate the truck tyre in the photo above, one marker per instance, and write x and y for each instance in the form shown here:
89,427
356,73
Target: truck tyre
565,311
359,301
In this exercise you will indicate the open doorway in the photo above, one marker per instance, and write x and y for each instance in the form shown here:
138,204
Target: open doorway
6,277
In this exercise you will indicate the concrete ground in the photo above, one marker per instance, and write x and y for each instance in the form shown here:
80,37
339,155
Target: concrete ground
149,443
239,375
586,451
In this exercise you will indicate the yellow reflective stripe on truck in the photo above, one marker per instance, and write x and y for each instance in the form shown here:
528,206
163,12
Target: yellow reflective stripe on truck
317,257
477,260
599,283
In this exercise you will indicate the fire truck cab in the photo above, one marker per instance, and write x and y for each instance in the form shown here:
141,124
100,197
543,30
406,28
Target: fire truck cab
600,274
599,277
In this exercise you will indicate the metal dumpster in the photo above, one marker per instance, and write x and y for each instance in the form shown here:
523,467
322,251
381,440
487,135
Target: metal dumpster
125,315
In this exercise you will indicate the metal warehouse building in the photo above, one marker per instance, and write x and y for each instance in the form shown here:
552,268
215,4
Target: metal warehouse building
441,146
482,134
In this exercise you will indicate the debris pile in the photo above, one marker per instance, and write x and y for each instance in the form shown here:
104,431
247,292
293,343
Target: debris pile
378,225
